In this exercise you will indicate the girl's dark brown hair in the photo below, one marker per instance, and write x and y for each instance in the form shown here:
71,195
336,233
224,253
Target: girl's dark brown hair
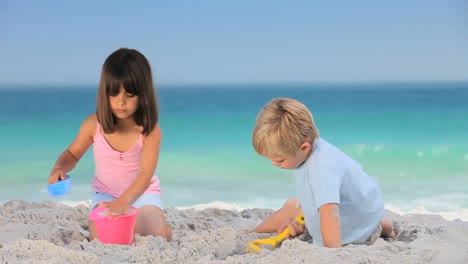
129,69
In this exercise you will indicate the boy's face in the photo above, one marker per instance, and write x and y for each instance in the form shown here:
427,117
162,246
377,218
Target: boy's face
292,161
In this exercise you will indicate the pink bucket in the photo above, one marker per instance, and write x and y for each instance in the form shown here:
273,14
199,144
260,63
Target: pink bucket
114,230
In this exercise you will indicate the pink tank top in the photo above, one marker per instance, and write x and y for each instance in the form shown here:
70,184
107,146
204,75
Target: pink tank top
116,170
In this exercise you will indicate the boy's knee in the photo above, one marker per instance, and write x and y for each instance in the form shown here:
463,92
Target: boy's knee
291,204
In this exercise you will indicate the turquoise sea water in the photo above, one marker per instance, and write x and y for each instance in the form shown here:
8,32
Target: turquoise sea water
413,137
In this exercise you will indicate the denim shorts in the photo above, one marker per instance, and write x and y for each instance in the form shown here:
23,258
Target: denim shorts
144,199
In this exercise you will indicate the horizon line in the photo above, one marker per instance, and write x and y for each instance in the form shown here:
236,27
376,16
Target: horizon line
246,83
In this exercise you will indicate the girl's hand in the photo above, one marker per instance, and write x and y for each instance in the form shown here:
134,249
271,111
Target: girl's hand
115,208
295,229
57,175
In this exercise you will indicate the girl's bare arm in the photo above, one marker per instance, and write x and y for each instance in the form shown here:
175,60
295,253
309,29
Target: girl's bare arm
70,157
149,160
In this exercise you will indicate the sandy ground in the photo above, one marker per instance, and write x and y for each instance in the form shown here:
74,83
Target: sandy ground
51,232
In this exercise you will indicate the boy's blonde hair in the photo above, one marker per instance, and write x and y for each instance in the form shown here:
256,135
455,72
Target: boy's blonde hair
282,126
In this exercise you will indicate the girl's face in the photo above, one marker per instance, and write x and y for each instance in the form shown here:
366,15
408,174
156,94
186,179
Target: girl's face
123,105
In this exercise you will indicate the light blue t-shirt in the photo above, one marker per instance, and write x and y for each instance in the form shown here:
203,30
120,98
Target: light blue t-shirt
331,176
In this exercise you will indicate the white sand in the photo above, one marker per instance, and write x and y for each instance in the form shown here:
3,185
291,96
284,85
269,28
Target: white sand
49,232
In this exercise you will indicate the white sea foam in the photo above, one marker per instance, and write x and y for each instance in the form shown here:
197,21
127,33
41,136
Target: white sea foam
461,214
76,203
215,205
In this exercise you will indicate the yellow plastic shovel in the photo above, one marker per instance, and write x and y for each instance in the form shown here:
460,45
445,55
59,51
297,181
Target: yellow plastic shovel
254,246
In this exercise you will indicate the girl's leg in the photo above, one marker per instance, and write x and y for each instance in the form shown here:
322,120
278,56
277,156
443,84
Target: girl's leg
92,230
151,221
279,218
96,198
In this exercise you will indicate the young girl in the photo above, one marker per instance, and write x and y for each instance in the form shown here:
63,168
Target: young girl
126,138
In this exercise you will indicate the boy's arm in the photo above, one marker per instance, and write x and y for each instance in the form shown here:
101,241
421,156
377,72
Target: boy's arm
330,225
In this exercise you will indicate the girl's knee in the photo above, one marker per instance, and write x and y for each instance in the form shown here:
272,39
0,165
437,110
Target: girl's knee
92,231
162,231
168,233
152,222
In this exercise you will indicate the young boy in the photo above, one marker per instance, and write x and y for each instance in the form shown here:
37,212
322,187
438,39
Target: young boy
340,202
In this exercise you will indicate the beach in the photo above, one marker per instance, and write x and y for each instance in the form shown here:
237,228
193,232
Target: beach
52,232
215,186
386,84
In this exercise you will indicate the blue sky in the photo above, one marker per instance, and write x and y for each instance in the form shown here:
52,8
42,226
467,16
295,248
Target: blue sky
66,42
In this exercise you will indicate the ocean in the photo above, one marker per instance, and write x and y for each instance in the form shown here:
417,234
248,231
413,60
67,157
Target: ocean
412,137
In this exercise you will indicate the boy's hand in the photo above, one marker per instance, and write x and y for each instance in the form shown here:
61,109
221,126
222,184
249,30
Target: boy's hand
116,207
295,229
56,175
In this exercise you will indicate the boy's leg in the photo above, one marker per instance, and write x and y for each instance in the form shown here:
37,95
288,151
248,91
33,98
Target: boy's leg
389,230
278,219
151,219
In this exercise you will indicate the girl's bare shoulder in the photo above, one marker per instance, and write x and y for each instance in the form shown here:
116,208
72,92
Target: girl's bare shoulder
154,135
89,125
